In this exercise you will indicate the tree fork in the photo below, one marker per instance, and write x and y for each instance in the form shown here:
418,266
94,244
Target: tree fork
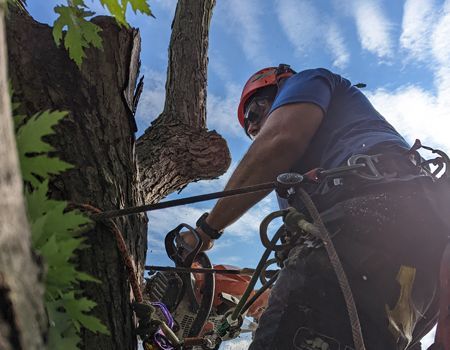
177,148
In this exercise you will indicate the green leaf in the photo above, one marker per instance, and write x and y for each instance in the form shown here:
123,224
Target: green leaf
63,225
80,32
116,10
61,272
140,5
29,136
81,276
30,146
56,234
42,166
62,332
77,309
119,9
38,202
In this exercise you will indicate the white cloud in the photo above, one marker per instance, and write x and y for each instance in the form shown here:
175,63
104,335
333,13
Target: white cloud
222,112
305,28
246,228
415,113
299,21
243,19
440,47
151,103
162,221
155,244
335,42
373,28
219,66
419,18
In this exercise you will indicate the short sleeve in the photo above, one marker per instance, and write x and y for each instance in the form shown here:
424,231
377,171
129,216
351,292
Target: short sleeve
310,86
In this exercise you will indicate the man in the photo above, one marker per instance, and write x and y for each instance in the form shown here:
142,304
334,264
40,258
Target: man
386,232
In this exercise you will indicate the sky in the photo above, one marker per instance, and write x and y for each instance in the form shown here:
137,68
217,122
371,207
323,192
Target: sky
400,49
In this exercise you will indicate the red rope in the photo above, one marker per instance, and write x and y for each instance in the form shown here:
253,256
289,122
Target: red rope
121,246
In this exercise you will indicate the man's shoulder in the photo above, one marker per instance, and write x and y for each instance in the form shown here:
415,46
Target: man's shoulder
320,73
316,71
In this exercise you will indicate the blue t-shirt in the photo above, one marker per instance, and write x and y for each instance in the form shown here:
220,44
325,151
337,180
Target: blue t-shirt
351,125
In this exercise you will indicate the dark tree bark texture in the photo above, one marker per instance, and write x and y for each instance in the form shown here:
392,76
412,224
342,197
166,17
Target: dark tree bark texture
177,149
22,315
98,138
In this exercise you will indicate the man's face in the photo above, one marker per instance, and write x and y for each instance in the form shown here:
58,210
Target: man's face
256,115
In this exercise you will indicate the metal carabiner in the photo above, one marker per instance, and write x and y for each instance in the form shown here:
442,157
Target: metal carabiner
369,163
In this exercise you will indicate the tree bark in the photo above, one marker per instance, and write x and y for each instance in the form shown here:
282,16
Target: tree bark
22,316
98,138
177,149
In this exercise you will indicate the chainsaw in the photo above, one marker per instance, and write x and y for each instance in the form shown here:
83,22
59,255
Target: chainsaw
186,305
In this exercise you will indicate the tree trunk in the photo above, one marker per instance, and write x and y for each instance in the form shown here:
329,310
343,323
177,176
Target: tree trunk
98,138
22,316
177,149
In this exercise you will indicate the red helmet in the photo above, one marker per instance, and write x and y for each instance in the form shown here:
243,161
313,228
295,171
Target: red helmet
262,78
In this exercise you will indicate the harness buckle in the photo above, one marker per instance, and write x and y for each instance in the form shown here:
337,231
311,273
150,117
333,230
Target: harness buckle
369,162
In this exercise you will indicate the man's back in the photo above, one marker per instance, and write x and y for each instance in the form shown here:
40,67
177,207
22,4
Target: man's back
351,124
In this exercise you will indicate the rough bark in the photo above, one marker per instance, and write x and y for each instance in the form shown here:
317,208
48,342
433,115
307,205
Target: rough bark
22,316
177,149
98,138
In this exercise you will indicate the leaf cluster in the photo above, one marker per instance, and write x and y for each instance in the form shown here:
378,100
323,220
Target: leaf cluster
56,234
80,32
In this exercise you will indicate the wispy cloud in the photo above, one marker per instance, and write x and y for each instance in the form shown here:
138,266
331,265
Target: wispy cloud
335,42
299,21
305,27
419,18
415,113
243,19
151,103
374,28
441,53
222,111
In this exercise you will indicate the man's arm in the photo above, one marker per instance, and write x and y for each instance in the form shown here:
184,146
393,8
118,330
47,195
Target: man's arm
281,142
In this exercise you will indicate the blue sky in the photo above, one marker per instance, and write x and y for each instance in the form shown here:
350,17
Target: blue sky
400,49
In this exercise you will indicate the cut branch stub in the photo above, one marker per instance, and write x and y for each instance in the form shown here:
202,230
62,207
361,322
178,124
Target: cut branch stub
178,155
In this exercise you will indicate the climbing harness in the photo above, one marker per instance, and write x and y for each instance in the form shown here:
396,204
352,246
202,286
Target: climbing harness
174,309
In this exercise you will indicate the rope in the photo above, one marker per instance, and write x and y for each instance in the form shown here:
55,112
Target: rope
121,246
358,339
189,200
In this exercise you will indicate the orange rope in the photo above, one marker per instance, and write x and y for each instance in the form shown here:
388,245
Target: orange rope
121,246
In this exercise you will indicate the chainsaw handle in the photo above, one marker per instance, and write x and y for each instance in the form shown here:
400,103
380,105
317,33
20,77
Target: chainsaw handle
177,250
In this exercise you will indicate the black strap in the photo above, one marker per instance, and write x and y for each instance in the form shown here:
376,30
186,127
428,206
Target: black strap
211,232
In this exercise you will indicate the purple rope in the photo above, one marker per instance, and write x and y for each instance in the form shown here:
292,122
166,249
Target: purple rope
159,336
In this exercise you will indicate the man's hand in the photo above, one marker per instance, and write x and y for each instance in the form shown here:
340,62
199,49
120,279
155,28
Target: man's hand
191,241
